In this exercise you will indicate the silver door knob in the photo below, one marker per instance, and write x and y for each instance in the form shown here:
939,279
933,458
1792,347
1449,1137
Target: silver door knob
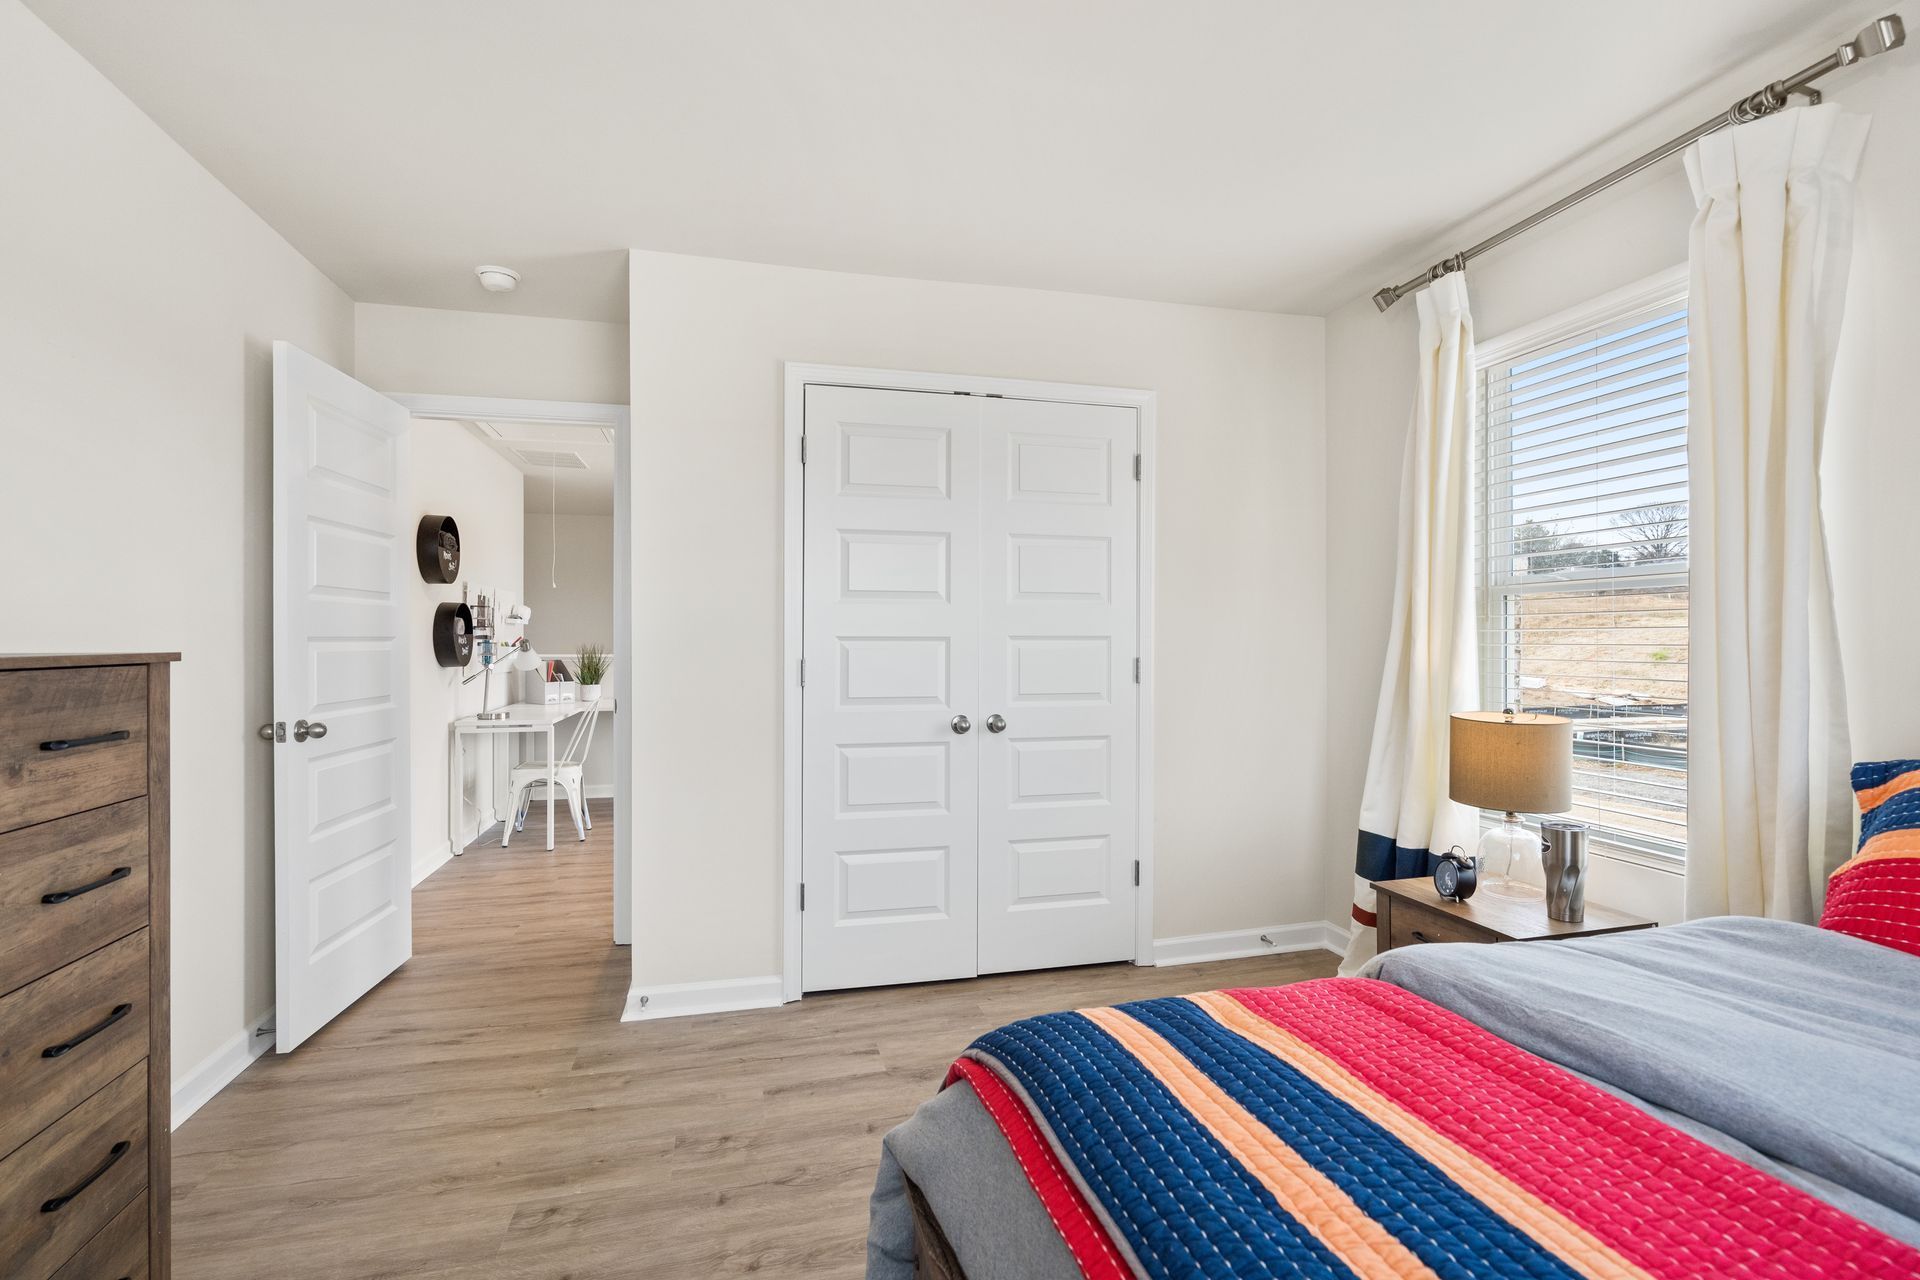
302,730
996,723
960,724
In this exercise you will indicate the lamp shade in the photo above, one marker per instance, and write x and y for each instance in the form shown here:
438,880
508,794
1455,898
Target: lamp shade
524,658
1520,763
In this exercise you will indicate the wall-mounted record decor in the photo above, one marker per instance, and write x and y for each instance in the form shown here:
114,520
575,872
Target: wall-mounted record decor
437,545
452,634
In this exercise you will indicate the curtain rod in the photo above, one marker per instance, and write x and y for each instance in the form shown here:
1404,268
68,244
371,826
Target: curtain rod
1875,38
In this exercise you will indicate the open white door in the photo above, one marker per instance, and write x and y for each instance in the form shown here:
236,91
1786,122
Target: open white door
342,800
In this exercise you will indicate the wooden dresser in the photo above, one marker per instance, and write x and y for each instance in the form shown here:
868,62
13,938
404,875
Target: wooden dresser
84,1078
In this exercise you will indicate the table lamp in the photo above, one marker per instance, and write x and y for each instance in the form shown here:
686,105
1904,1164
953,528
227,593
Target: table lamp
520,657
1516,762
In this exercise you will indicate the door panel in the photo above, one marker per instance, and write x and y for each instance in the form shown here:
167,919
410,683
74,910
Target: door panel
1059,561
891,627
342,813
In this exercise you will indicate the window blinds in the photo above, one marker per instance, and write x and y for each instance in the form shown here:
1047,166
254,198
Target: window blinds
1581,513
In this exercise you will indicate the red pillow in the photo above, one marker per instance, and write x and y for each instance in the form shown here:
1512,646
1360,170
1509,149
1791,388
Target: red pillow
1876,894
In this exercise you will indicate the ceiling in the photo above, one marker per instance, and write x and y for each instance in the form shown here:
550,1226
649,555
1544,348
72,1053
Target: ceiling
568,469
1271,154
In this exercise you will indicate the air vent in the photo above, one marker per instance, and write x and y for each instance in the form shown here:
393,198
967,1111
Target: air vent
544,458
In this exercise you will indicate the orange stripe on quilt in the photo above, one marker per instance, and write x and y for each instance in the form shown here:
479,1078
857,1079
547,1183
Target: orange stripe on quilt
1306,1194
1564,1238
1874,797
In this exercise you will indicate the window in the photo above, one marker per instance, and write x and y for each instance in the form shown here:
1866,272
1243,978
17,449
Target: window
1582,519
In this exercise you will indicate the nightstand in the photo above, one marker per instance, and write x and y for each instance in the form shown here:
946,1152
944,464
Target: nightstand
1410,911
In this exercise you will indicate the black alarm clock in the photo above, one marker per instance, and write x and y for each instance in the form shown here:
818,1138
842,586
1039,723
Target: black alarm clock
1456,876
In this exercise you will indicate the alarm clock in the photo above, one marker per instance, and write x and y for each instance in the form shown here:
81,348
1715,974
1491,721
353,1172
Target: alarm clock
1456,876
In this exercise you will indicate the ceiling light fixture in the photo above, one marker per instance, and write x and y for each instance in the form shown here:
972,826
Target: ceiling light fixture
497,279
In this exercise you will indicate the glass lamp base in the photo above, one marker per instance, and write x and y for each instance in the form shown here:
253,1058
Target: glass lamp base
1507,853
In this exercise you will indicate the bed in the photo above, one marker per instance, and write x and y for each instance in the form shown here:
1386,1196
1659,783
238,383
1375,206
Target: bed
1725,1097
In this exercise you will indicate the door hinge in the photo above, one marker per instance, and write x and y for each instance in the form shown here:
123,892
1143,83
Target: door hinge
803,895
803,451
1136,873
1136,466
803,673
1136,671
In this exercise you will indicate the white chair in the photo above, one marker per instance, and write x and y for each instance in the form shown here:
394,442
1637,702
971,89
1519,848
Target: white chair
568,775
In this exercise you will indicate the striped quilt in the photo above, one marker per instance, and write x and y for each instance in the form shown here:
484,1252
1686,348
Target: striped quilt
1346,1127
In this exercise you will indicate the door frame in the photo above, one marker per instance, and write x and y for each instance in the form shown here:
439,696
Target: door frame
797,376
616,418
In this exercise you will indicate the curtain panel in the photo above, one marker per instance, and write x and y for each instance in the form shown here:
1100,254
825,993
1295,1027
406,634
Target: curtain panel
1768,806
1432,667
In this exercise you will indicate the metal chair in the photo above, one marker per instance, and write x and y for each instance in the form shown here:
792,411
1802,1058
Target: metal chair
568,774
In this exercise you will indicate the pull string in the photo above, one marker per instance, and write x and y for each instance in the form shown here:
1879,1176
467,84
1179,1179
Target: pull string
553,527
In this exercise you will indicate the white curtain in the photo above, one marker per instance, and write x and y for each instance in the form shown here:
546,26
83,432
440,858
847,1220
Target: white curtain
1767,803
1432,668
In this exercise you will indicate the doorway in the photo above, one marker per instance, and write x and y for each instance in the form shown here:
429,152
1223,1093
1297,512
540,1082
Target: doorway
357,727
570,538
968,739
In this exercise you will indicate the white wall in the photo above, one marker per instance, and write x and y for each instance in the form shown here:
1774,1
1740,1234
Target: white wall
1873,448
140,302
1241,527
458,475
579,611
423,351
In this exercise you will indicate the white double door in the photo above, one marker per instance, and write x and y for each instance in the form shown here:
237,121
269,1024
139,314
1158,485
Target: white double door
970,708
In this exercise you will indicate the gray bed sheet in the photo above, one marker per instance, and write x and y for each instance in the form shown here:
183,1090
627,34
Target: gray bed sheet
1793,1049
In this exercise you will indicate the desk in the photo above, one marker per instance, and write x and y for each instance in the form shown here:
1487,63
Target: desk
522,718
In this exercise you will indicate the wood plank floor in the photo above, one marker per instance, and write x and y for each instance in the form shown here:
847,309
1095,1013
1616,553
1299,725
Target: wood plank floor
483,1113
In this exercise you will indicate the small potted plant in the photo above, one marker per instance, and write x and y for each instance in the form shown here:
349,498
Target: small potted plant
591,670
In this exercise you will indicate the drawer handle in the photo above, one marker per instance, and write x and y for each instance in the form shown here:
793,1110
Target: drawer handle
68,895
68,744
1421,937
60,1202
60,1050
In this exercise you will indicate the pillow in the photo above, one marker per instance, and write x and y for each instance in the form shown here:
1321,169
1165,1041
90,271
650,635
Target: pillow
1876,894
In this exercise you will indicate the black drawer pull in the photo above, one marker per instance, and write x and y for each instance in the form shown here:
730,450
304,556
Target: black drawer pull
1420,937
60,1050
60,1202
68,895
68,744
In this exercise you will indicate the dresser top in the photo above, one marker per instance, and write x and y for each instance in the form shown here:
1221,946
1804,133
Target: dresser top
41,661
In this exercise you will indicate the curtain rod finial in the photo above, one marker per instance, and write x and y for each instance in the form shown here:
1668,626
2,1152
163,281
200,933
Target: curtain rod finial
1386,297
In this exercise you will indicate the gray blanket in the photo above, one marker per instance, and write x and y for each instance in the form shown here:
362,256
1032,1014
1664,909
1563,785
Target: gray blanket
1799,1043
1795,1050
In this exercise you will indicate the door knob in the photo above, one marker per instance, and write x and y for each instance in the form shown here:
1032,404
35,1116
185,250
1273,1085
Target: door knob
302,730
960,724
996,723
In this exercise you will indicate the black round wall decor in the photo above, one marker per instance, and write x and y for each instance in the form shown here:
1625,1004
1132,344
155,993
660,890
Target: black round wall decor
437,546
452,634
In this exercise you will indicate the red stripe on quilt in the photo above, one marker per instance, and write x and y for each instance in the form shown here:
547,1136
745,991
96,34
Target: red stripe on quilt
1085,1236
1662,1199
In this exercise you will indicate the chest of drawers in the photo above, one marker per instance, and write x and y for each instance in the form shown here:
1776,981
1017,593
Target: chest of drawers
84,1068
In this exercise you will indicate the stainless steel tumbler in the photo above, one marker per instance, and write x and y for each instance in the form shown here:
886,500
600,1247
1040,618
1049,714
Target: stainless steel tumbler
1563,854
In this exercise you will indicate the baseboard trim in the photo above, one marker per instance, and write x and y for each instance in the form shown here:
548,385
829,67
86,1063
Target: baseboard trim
646,1002
600,791
220,1069
1237,944
436,858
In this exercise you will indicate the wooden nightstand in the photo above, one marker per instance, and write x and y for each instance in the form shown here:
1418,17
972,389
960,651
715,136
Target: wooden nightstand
1410,911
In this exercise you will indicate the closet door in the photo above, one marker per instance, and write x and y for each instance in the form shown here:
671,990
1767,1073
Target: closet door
891,618
1058,588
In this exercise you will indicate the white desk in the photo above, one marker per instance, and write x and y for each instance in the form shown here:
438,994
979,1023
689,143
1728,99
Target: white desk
522,717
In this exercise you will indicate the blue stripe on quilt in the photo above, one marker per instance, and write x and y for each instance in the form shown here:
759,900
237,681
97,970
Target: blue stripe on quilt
1442,1224
1188,1209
